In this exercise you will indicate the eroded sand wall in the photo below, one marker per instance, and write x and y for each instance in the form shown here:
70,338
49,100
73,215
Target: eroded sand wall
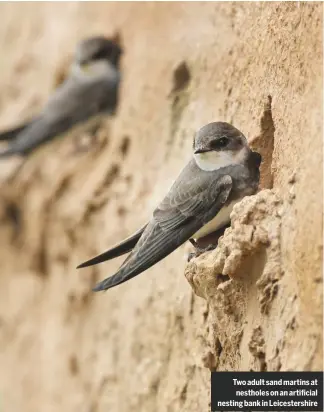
147,345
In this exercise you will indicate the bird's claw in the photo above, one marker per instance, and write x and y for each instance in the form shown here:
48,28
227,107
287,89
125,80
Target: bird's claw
199,251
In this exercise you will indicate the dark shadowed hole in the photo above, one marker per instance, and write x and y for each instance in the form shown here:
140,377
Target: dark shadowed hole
121,211
124,147
181,77
223,278
73,365
13,214
218,347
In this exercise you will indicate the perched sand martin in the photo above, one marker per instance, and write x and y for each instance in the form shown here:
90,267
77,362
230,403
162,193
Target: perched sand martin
222,171
91,88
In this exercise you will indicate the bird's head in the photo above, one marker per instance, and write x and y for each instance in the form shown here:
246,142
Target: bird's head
220,144
95,52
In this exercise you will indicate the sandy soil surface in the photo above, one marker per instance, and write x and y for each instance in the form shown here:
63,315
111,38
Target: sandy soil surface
150,343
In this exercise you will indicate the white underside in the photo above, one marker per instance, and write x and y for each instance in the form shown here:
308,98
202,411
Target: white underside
220,220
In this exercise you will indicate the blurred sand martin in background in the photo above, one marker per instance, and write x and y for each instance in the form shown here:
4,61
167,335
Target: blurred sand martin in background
90,88
222,171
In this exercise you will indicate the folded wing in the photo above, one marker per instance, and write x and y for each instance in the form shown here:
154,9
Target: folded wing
185,210
71,103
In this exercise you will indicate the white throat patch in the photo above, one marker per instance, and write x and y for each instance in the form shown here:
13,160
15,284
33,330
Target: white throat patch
213,160
95,70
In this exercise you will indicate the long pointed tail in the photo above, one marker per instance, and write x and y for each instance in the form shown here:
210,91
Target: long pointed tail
125,246
12,133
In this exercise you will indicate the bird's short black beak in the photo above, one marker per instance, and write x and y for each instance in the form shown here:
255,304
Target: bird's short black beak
83,62
201,151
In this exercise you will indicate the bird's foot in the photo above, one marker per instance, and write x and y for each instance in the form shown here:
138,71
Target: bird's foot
200,250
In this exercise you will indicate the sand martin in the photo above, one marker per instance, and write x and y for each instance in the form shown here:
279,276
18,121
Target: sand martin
90,88
222,171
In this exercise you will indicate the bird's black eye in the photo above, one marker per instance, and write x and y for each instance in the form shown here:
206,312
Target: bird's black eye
219,143
101,54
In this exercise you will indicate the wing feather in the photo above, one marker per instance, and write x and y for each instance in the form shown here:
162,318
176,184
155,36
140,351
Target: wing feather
10,134
65,108
120,249
173,225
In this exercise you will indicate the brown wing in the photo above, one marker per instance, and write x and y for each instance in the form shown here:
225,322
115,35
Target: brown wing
177,218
